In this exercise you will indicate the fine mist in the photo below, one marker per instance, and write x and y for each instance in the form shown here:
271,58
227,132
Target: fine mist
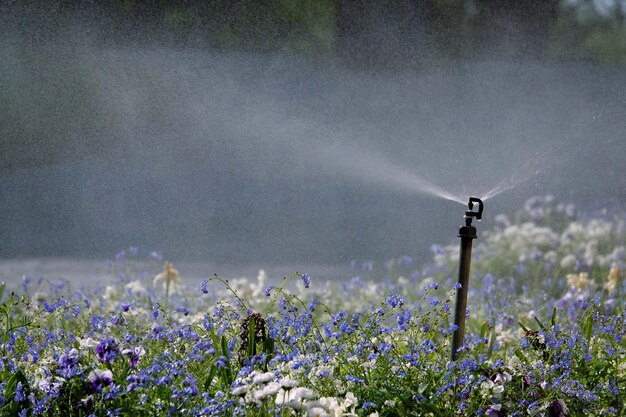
252,158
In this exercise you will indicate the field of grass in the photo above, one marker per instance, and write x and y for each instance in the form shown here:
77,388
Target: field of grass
544,337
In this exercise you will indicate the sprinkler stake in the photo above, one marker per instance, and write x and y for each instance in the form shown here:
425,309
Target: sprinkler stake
467,233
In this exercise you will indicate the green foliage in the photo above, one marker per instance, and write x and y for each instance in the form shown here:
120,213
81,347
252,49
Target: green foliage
607,46
372,348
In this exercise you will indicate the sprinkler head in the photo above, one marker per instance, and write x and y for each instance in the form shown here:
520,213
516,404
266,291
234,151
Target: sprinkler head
470,214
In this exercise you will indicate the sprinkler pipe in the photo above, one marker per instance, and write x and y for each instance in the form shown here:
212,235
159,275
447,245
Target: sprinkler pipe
467,234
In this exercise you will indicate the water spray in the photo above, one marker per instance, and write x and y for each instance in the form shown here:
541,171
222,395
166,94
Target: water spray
467,234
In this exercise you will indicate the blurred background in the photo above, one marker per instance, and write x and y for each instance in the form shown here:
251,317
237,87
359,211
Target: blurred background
298,131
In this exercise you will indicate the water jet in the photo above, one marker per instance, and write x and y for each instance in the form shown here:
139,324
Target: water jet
467,233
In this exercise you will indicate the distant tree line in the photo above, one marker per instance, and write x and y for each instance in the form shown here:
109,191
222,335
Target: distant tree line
362,32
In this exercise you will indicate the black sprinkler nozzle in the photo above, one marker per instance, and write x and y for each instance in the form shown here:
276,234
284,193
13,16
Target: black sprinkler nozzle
470,214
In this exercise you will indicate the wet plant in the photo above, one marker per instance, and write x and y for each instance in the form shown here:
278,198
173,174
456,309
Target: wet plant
545,336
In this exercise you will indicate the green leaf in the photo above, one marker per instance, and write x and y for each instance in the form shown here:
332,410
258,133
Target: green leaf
268,349
588,327
209,378
540,323
3,287
484,329
11,407
520,355
553,318
226,372
224,344
492,342
268,346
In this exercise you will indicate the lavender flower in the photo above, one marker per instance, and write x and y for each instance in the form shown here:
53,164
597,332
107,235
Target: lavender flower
107,349
134,354
100,378
306,280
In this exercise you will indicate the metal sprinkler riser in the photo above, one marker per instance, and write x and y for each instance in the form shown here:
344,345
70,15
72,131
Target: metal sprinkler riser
467,234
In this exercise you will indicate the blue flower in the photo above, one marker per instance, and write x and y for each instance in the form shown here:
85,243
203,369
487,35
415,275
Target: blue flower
107,349
306,280
182,309
20,393
394,300
354,379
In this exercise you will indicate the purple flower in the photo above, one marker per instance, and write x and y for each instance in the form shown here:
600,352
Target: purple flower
268,290
557,408
133,355
107,349
203,286
69,359
100,378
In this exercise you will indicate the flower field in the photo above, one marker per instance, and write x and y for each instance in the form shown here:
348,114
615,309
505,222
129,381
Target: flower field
545,334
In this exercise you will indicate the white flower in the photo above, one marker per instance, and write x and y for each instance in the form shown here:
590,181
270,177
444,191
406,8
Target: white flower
317,412
550,256
301,393
241,390
485,388
51,384
390,403
296,398
282,399
136,288
288,383
350,400
87,342
110,292
269,390
263,378
258,289
503,378
568,261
